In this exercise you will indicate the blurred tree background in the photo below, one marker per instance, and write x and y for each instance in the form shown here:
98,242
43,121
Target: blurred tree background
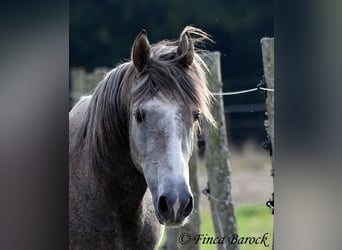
102,32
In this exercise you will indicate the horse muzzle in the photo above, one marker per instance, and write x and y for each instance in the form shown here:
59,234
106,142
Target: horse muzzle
173,208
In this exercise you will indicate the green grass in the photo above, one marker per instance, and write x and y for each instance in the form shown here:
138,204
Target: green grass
251,221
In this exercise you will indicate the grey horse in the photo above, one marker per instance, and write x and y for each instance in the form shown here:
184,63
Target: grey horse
130,144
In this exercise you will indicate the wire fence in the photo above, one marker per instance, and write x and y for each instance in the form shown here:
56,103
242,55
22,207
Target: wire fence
243,91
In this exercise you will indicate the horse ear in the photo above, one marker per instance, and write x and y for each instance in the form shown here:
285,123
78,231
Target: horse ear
140,51
186,49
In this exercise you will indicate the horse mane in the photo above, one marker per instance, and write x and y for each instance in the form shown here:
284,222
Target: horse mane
104,129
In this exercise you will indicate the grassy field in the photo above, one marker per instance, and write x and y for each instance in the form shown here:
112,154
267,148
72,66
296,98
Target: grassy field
252,221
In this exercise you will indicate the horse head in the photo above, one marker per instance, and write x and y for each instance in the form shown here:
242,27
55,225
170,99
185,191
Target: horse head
167,99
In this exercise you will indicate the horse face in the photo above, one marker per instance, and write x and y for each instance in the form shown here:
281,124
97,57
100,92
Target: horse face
161,141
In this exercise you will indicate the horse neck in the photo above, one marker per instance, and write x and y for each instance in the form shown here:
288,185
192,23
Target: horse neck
112,162
124,187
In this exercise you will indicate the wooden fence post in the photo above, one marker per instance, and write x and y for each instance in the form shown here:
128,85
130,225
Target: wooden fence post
217,162
267,48
193,226
77,81
81,82
95,77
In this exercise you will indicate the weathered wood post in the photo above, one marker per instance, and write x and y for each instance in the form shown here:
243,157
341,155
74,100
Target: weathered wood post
193,226
217,162
95,77
82,82
78,78
267,48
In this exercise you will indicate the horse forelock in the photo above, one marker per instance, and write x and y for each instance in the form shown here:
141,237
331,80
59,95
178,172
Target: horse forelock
164,73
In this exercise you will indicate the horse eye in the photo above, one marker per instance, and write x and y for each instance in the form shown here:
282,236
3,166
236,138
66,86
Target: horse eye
139,116
197,115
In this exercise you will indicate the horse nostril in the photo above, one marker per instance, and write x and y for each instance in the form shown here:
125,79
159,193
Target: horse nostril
188,208
163,207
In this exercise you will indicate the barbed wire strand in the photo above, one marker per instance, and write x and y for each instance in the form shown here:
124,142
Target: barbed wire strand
243,91
231,200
